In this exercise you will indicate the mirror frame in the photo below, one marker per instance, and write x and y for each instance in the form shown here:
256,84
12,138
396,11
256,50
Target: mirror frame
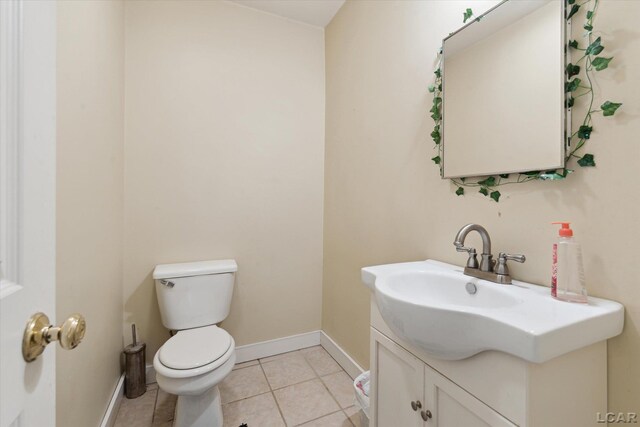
566,122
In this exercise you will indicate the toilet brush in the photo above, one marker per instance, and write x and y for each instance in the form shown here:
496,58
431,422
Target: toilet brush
135,375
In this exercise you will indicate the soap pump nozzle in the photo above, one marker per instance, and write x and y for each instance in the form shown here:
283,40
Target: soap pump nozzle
565,231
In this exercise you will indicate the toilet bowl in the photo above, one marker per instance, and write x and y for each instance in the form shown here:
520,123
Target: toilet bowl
191,365
193,298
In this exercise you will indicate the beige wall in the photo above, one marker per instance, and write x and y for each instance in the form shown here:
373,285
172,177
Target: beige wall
224,159
384,200
90,120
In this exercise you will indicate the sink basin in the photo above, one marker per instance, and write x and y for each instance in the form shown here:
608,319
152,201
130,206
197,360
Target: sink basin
427,304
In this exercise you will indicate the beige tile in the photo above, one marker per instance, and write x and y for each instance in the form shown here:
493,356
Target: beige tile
165,408
305,402
278,356
320,360
337,419
353,412
245,364
288,370
255,411
137,412
341,387
243,383
152,386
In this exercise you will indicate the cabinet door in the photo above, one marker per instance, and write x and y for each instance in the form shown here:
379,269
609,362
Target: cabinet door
451,406
397,381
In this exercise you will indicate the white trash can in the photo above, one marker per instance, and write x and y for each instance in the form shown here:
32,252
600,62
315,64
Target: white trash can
361,387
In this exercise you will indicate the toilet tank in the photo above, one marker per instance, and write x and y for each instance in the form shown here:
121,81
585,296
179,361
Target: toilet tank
194,294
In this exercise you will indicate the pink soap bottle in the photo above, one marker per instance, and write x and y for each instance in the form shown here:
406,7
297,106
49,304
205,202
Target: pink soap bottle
567,271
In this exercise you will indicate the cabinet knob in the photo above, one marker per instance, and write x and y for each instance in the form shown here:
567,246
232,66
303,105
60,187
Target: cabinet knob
415,405
426,415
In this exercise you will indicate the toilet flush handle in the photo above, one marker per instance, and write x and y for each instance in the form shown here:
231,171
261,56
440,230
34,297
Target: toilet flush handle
167,283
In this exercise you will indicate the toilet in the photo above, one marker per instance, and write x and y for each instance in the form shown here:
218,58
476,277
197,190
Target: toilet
193,298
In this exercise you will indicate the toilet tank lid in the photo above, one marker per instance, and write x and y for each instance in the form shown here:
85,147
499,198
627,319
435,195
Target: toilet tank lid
187,269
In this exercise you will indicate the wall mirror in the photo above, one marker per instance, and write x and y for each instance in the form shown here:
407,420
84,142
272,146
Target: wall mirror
503,91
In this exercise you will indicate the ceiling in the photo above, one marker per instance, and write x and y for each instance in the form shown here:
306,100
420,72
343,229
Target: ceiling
314,12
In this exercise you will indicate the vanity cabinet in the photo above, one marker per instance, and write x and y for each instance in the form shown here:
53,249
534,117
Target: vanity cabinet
408,392
489,389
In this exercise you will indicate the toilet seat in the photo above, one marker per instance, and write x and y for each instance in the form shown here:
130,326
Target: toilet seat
193,348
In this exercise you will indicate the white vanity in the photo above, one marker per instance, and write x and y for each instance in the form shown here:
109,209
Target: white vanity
450,350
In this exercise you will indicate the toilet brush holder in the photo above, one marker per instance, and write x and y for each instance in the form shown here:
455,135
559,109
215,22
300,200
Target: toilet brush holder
135,378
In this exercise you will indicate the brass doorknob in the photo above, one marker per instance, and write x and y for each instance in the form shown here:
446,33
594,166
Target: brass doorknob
39,332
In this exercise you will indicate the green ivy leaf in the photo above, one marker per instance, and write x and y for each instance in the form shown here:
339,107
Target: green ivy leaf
595,47
436,160
435,109
573,44
436,134
586,161
484,191
609,108
573,11
600,63
572,70
460,191
531,173
440,87
438,73
463,179
495,195
432,88
488,182
571,1
584,132
551,176
572,85
588,27
504,175
590,14
569,102
466,15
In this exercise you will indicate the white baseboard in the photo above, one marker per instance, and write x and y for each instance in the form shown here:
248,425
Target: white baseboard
109,418
342,357
244,353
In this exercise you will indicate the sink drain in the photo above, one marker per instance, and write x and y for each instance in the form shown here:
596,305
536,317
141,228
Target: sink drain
471,288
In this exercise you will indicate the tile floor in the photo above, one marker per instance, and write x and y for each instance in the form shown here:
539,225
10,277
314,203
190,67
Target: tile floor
301,388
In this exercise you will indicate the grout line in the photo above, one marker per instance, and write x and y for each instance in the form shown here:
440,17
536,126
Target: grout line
245,398
272,394
347,415
321,416
155,405
330,394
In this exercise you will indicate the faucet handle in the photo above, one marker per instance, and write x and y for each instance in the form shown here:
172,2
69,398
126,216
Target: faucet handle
514,257
461,248
501,267
472,261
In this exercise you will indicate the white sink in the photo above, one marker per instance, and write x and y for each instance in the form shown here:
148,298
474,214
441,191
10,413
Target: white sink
427,304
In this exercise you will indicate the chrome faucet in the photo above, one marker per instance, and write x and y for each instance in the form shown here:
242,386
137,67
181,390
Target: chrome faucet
487,269
487,259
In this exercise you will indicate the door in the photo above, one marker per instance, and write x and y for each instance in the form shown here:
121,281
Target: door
27,206
397,384
449,405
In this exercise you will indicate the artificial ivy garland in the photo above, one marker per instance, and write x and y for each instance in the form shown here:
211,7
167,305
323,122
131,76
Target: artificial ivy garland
574,87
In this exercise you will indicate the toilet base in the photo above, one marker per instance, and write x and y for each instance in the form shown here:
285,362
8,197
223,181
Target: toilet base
203,410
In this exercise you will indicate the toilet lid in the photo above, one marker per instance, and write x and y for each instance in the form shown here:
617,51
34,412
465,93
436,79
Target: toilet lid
192,348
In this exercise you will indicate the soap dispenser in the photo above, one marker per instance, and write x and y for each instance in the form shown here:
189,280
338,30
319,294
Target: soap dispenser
567,279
